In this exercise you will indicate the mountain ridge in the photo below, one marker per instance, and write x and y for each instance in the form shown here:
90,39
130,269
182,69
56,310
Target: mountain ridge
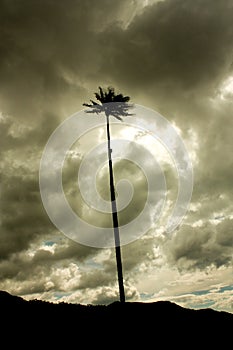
136,322
11,300
8,297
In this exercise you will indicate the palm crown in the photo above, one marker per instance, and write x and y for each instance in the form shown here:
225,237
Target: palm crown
106,98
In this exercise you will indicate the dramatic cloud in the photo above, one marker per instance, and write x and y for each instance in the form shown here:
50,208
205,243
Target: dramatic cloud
202,246
176,45
174,56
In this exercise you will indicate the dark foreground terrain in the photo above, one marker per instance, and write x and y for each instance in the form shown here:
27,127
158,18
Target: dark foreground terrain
33,324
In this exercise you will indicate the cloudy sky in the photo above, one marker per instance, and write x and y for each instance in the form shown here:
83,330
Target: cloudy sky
174,57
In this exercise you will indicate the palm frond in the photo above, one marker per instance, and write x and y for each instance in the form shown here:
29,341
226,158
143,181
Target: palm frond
94,103
87,105
98,97
101,93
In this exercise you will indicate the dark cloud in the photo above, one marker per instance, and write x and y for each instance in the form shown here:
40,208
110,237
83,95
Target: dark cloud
22,215
201,247
176,45
49,53
224,236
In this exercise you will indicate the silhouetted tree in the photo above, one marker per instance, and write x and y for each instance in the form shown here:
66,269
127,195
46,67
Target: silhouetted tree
118,109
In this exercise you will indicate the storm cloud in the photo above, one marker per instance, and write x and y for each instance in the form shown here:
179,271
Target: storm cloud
174,56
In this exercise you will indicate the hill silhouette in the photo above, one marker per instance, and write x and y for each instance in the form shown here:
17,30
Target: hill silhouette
107,326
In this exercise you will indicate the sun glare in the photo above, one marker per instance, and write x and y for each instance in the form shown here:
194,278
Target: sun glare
226,89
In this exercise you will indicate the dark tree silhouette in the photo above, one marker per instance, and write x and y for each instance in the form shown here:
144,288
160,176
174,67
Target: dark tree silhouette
118,109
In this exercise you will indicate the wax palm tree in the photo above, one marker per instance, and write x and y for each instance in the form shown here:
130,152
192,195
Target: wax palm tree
118,109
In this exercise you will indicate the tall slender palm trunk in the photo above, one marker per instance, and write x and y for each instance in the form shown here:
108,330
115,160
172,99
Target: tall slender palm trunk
115,218
118,110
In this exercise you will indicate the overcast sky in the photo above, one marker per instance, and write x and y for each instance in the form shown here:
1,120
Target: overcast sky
172,56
